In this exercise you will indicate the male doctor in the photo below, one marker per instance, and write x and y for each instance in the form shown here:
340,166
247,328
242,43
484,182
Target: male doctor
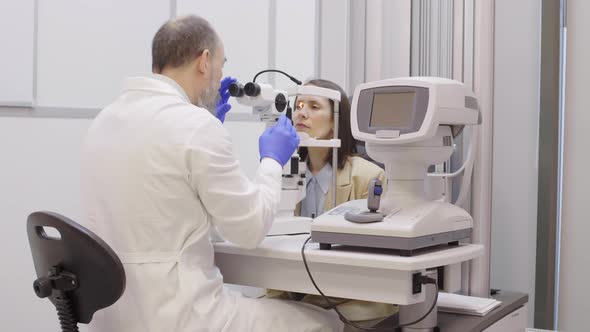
159,174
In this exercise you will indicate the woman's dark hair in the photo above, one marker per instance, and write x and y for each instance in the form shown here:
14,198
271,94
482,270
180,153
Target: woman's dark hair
347,142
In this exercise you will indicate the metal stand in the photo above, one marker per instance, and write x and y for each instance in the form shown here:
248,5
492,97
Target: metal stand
61,282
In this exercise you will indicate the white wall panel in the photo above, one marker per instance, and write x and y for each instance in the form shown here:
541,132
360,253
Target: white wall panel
86,48
295,40
387,40
243,28
334,41
16,52
515,145
40,171
575,224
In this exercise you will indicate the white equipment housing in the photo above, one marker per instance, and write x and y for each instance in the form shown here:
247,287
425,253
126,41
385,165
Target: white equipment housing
408,124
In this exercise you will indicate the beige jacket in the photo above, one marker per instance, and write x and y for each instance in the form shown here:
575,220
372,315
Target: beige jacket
352,182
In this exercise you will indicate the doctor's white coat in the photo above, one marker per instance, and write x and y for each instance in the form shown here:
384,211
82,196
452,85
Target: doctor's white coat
158,175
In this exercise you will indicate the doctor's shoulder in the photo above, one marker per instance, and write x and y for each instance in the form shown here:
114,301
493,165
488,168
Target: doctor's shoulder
193,117
204,129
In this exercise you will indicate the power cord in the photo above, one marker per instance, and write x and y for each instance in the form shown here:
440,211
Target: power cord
422,279
296,81
290,234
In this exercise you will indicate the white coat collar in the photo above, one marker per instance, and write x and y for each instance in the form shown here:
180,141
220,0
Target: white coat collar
156,83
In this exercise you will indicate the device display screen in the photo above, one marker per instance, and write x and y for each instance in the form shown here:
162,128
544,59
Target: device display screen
392,109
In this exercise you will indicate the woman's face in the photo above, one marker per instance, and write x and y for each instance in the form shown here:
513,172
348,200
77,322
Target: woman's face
313,115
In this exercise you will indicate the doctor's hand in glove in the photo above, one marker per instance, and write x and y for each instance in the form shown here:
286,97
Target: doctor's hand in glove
279,141
223,106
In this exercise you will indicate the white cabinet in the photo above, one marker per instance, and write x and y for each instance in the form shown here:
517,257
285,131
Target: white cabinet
516,321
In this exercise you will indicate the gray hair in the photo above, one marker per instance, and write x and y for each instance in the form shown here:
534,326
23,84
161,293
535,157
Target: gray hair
182,40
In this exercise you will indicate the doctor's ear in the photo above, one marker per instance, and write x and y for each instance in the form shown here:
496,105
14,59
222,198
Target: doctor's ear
204,61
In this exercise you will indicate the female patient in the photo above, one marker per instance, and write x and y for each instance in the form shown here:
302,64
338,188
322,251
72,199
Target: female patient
314,115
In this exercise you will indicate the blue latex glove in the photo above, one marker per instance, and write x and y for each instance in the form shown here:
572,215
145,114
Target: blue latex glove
222,106
279,141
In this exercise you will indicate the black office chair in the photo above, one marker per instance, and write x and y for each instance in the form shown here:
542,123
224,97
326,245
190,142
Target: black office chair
77,270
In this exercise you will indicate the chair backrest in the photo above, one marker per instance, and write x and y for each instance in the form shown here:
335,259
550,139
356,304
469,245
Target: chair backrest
99,273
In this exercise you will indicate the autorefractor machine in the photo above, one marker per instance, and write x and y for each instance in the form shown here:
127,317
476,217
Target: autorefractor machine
408,124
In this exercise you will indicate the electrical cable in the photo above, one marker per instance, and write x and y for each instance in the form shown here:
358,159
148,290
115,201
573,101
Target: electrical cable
296,81
424,280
